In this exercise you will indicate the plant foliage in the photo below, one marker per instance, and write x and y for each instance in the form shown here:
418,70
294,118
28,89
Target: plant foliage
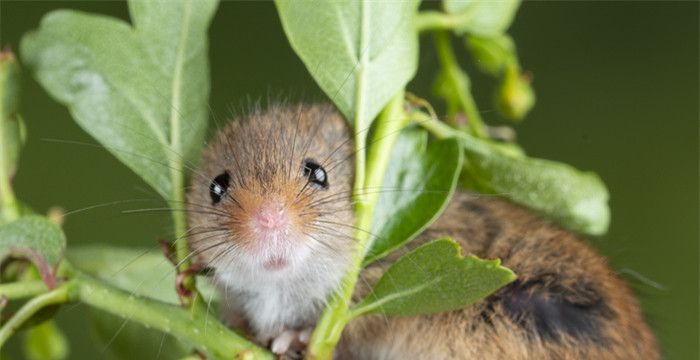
142,92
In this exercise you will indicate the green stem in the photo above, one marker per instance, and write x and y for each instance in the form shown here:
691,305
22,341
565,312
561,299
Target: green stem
22,289
56,296
9,208
441,131
436,20
460,84
177,172
335,317
208,334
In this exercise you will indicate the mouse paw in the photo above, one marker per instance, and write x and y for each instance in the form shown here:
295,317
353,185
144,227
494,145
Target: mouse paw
291,340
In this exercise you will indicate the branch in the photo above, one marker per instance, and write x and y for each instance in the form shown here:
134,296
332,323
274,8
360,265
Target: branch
201,330
22,289
56,296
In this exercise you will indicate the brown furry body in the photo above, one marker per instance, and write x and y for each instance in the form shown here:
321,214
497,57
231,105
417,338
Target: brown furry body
566,303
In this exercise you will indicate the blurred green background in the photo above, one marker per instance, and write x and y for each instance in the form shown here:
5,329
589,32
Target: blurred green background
617,88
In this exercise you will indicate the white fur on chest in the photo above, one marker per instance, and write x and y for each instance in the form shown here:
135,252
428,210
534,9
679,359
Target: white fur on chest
272,301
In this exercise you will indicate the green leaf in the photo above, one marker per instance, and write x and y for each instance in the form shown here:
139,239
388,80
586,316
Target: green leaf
121,338
577,200
486,17
492,54
45,342
361,53
433,278
140,272
418,184
141,91
496,56
37,239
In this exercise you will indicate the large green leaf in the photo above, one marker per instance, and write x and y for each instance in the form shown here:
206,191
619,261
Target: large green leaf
434,278
361,53
578,200
417,186
141,91
483,17
37,239
141,272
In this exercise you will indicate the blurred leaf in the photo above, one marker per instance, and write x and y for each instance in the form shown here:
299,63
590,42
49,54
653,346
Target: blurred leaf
361,53
141,272
141,91
577,200
417,186
486,17
37,239
45,342
122,338
492,54
496,56
434,278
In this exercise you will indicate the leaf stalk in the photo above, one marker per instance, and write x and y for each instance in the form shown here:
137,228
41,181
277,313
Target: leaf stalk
333,320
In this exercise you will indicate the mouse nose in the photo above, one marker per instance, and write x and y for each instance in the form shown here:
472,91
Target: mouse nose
272,215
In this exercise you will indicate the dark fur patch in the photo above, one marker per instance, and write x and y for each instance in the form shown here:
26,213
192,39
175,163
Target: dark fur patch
551,310
492,224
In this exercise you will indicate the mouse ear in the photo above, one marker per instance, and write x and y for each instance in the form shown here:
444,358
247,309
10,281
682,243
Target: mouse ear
219,187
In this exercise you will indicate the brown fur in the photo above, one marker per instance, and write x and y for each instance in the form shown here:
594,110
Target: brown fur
551,263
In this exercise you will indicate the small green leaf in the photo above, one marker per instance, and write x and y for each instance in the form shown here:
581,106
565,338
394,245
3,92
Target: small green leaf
361,53
492,54
434,278
577,200
417,186
45,342
486,17
37,239
141,91
141,272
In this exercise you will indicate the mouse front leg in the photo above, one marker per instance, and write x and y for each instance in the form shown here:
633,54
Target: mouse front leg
291,340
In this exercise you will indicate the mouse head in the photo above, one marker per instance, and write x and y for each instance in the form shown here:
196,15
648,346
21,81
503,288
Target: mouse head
273,192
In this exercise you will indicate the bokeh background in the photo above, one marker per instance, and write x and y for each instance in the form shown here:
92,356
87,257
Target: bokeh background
617,88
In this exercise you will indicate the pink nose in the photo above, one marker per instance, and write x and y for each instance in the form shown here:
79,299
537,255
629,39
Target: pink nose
272,216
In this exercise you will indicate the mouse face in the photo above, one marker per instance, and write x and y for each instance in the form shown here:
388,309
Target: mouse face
273,193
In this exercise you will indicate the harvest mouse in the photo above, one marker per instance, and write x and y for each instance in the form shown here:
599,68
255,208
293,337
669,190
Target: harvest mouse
270,210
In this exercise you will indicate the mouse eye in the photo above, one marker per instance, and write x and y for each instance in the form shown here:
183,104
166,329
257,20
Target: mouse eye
315,173
219,187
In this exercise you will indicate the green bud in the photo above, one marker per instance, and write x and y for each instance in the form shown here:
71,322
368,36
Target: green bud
12,134
12,130
491,54
514,96
45,342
